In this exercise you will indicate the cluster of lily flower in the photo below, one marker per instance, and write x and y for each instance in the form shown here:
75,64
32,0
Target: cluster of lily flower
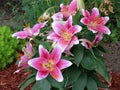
63,37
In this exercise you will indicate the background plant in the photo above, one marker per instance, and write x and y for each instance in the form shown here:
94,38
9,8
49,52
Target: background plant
8,47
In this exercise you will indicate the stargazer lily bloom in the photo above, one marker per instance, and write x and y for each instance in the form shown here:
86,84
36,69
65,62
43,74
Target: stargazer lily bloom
49,64
68,10
64,34
94,22
57,16
28,54
29,32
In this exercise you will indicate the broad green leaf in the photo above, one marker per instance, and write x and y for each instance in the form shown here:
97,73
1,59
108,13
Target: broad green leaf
99,83
102,70
71,74
78,52
80,83
91,84
41,85
101,48
88,62
54,83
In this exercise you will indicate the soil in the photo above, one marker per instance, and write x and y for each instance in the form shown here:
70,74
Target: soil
10,80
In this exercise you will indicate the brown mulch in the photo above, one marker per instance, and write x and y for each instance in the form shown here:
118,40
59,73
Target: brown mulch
10,81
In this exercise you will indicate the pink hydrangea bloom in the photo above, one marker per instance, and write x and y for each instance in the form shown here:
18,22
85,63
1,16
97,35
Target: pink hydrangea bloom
64,34
29,32
94,22
49,64
28,54
68,10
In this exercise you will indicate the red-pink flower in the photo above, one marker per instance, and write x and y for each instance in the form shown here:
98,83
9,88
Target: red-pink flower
29,32
94,22
28,54
64,34
68,10
49,64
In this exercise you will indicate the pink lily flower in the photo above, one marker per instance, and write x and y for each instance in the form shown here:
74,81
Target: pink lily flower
64,34
68,10
28,54
29,32
88,44
94,22
49,64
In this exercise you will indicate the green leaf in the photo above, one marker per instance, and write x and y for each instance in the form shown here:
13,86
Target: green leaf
41,85
78,52
101,48
88,62
28,82
29,77
54,83
71,74
91,84
102,70
99,83
45,44
80,83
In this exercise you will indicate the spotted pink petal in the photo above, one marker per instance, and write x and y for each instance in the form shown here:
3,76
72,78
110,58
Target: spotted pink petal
85,20
23,63
73,7
64,64
86,13
53,36
75,29
29,48
56,55
43,52
98,38
95,12
36,28
57,16
103,29
56,74
74,41
37,63
62,44
68,23
58,27
22,34
103,20
41,75
86,43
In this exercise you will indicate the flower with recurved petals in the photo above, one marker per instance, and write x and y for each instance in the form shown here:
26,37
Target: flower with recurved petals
64,34
68,10
29,32
28,54
94,22
49,64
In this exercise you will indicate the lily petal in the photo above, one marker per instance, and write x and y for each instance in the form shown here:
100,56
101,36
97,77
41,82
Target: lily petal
68,23
43,52
56,74
37,63
103,29
36,28
85,20
64,64
95,12
73,7
58,27
41,75
75,29
86,13
56,55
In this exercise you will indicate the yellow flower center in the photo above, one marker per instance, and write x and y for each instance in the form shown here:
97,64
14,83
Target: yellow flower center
48,65
66,36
